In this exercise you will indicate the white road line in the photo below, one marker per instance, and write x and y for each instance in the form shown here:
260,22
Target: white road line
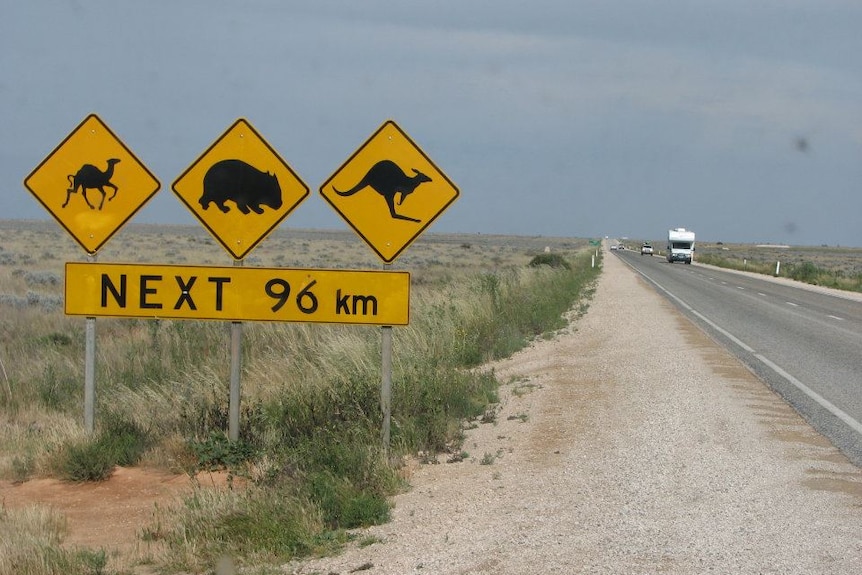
724,332
825,403
760,293
836,317
791,303
819,399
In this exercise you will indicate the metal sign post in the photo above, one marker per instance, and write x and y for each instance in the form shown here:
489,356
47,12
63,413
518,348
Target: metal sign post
241,168
90,369
386,386
386,383
370,192
97,203
235,374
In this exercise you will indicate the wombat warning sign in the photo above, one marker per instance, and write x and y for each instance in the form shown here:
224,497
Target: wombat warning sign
252,188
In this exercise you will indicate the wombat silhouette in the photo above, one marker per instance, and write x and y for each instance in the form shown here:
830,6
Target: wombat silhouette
248,187
388,180
89,177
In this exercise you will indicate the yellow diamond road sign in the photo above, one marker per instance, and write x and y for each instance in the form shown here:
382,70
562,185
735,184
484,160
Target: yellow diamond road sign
240,189
389,191
92,184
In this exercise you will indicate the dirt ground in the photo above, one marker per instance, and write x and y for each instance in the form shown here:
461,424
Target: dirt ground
109,514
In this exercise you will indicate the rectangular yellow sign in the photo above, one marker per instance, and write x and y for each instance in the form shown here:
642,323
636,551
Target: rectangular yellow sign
238,293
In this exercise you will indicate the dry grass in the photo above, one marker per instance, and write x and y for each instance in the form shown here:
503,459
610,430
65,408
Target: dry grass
39,343
42,524
838,259
26,533
314,380
834,267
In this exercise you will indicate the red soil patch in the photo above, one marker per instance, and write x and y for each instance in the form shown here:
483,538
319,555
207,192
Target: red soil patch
108,514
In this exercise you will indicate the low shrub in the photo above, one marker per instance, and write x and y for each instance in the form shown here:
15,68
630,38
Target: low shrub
117,443
553,260
345,505
219,452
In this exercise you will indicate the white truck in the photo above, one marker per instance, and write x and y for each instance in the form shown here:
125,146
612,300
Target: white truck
680,245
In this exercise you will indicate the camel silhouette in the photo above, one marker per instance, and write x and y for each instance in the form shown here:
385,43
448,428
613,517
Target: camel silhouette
89,177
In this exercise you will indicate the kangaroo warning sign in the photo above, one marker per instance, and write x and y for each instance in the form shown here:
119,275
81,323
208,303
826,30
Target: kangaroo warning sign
240,189
92,184
389,191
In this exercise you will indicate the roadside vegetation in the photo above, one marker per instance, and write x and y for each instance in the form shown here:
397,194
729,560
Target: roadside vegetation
309,465
834,267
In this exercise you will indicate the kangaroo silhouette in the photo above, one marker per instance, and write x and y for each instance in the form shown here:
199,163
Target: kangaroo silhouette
388,180
89,177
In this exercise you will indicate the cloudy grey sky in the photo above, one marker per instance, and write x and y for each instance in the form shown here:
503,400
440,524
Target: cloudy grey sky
740,119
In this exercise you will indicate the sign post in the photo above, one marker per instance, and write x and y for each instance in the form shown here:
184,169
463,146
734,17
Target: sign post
386,384
91,203
240,189
90,369
235,374
389,191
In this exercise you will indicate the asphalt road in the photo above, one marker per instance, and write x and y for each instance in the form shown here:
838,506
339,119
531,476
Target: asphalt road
805,344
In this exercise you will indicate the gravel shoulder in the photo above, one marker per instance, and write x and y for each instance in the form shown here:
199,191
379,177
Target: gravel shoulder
609,455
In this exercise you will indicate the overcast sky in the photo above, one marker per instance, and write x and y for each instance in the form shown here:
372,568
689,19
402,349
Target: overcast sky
739,119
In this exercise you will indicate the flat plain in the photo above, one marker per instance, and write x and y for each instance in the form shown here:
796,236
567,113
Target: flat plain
42,245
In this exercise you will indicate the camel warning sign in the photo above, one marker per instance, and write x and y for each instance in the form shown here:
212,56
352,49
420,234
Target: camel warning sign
389,191
240,189
92,184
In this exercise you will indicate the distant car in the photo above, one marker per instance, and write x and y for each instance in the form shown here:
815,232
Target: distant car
646,249
614,247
